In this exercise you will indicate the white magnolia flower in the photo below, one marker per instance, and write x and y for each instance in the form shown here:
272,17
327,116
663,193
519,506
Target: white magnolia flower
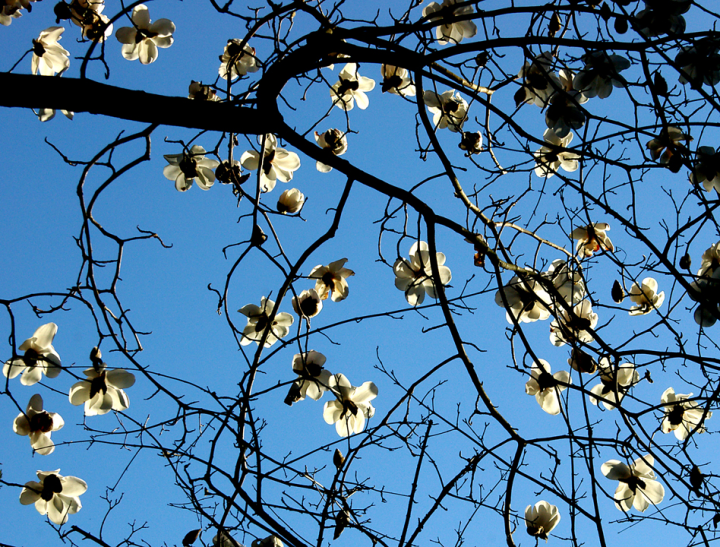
568,282
637,485
710,261
334,141
201,92
682,416
38,424
707,287
646,297
448,110
540,519
239,60
573,327
527,300
87,14
189,166
277,163
351,87
545,386
706,170
667,147
397,80
259,322
270,541
592,238
55,496
313,380
307,304
415,278
40,357
49,57
550,158
223,539
450,32
290,201
601,74
47,114
142,40
331,280
615,382
102,391
351,407
539,81
10,11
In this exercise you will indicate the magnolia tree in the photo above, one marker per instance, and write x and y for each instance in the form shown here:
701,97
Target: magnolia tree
396,314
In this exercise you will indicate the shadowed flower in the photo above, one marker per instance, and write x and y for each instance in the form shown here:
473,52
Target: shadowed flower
10,11
564,112
450,32
573,327
55,496
351,87
592,238
47,114
290,201
40,357
601,74
351,407
49,57
189,166
237,61
87,14
582,362
545,386
682,416
706,170
102,391
38,424
615,382
637,485
471,143
334,141
700,62
539,81
550,157
313,380
661,17
448,110
142,40
540,519
668,148
270,541
527,301
707,286
201,92
568,283
223,539
259,322
397,80
646,297
307,303
331,280
277,163
415,278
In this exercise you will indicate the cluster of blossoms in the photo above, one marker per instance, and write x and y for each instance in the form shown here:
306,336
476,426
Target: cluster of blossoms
54,495
706,287
415,278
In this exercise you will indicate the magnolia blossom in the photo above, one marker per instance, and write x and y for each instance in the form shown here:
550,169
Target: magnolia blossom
55,496
277,163
40,357
335,142
539,81
667,146
448,110
592,238
564,112
682,416
313,380
188,166
351,87
351,407
550,158
236,60
10,11
38,424
573,327
646,297
259,322
662,17
527,301
102,391
567,280
615,382
582,362
223,539
471,143
450,32
415,276
307,304
545,386
397,80
201,92
331,280
290,201
142,40
637,485
49,57
700,62
540,519
270,541
601,74
87,14
706,170
47,114
707,287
